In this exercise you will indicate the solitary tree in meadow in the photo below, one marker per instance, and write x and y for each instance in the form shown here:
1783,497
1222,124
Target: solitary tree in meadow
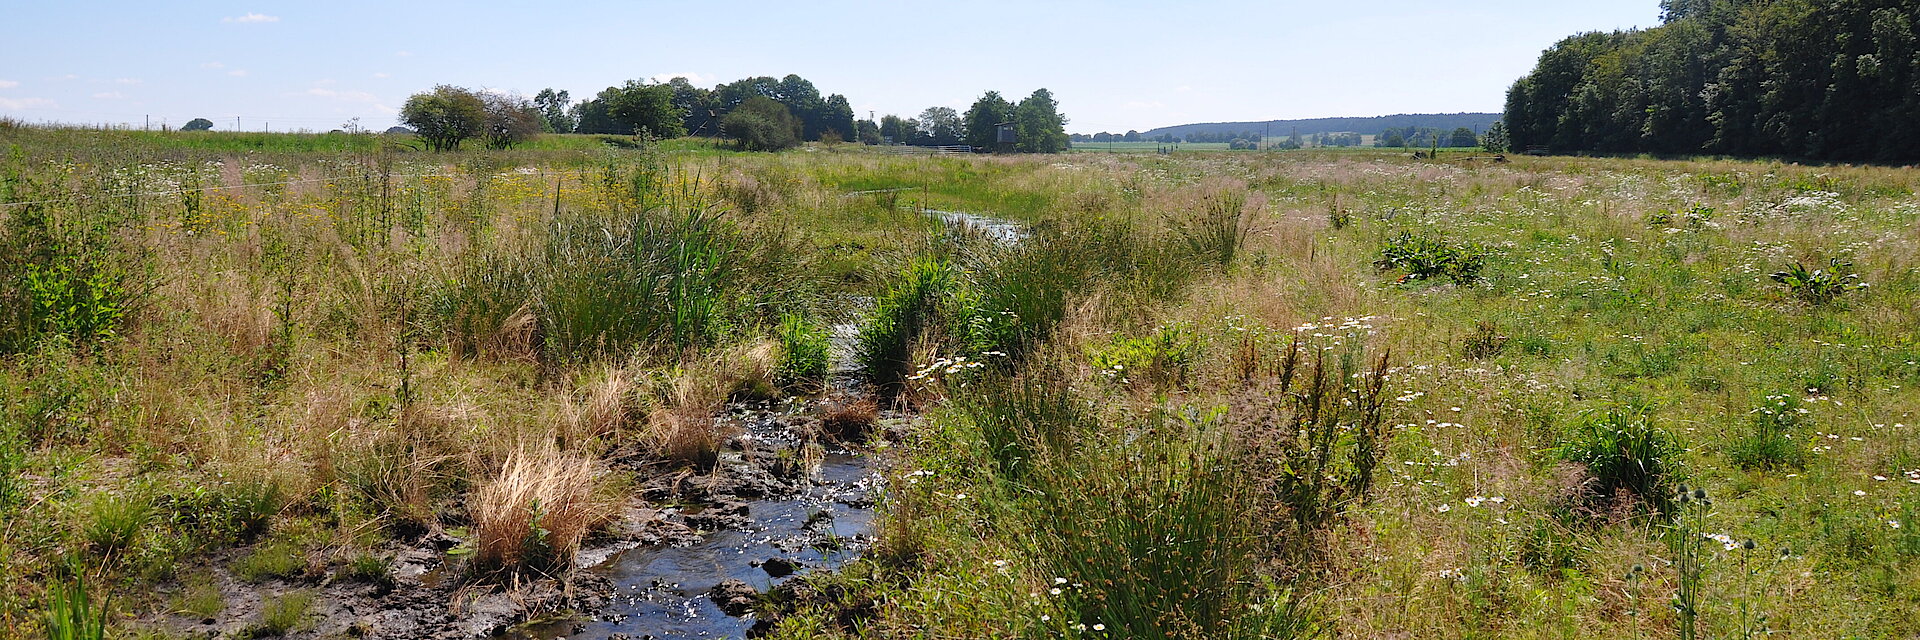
197,124
445,116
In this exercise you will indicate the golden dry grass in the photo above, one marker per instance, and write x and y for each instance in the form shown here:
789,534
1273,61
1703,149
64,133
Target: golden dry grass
536,511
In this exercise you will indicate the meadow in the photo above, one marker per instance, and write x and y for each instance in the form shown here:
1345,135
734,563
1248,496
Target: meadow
1311,393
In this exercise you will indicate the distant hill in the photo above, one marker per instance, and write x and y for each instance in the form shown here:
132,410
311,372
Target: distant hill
1367,126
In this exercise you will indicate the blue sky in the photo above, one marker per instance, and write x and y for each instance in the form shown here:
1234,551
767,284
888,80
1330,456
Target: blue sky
1112,65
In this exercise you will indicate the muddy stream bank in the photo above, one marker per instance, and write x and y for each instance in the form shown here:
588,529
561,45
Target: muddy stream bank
686,558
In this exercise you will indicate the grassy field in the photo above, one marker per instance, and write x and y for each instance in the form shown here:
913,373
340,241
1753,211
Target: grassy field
1303,394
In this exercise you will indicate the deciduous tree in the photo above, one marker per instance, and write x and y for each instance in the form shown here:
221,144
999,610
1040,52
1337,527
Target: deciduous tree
984,118
1039,125
445,116
762,124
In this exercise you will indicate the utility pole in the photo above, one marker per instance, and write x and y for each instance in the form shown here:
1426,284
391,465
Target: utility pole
1268,133
236,123
149,123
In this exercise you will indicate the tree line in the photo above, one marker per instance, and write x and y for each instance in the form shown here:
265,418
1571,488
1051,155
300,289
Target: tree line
1037,123
1817,79
759,113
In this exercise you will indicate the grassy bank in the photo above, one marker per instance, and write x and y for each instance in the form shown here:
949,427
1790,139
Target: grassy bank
1330,393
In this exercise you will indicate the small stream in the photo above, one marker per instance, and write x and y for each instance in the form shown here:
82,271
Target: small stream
663,592
827,520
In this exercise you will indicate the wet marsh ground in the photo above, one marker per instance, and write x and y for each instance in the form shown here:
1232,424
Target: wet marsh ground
1204,395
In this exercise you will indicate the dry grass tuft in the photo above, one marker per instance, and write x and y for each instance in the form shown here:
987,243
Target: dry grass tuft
689,440
609,407
849,421
535,513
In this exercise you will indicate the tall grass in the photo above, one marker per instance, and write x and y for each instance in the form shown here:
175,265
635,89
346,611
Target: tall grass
1215,232
678,277
1628,457
805,354
901,318
536,511
1157,536
71,614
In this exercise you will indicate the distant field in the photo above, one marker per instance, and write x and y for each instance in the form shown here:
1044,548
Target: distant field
1150,147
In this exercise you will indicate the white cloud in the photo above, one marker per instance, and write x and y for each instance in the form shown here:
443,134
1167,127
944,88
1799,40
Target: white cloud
108,95
251,18
693,77
213,65
382,75
1144,105
27,103
126,81
238,73
8,84
403,54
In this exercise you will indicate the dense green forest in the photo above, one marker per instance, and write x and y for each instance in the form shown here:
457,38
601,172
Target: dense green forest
1834,80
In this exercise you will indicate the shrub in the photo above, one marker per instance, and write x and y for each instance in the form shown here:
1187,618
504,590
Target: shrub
63,278
761,124
1819,287
1626,456
1769,443
534,514
1427,258
1314,438
81,305
805,354
1162,359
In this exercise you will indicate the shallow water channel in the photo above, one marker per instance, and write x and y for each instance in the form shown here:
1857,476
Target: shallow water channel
824,522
